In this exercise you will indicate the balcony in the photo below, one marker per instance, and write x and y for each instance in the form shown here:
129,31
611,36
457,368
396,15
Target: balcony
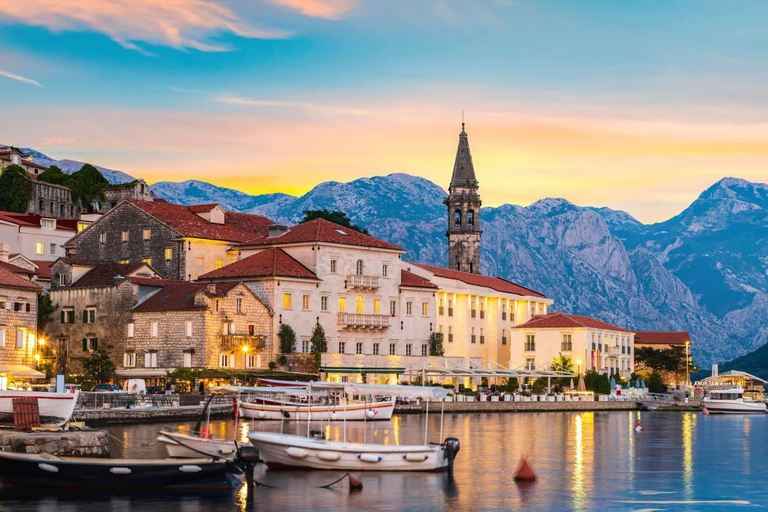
614,351
233,342
566,347
362,322
361,282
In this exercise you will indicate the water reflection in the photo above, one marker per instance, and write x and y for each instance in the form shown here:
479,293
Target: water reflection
689,423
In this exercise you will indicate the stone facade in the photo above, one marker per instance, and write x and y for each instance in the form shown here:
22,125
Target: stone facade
104,240
18,325
136,189
50,200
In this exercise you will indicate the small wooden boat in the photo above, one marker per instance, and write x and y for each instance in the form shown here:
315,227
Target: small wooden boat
21,470
189,446
291,451
271,409
55,408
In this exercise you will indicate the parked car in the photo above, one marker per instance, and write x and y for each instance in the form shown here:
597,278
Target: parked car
155,390
107,388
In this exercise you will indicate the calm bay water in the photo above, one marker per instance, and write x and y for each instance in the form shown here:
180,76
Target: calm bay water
585,461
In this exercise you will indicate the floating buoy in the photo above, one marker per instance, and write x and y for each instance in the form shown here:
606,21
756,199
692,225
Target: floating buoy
235,412
354,483
705,411
524,472
370,413
204,432
638,426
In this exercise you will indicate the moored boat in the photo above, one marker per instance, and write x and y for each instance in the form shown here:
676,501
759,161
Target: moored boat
271,409
55,408
732,401
21,470
181,445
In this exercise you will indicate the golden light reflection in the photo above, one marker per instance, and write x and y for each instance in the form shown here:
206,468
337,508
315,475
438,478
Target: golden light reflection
689,425
583,459
396,426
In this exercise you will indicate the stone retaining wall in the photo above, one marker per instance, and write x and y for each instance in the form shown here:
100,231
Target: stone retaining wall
86,443
149,415
492,407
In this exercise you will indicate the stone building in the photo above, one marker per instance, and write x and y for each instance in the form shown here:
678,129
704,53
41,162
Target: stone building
179,242
18,325
463,204
10,155
196,325
117,192
95,299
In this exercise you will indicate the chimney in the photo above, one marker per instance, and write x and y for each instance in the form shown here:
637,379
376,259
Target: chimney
211,288
715,371
276,230
5,252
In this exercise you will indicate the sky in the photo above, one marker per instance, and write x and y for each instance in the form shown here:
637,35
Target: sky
636,105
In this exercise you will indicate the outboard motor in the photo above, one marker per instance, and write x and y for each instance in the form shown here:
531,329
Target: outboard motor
452,448
316,434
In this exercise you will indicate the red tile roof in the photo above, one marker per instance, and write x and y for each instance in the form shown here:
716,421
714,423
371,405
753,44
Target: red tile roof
268,263
662,337
321,230
413,281
12,280
24,219
565,320
151,281
103,273
43,268
495,283
180,296
16,269
237,227
200,208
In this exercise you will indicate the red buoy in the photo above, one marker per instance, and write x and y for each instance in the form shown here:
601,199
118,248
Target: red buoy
524,472
705,411
354,483
638,426
235,412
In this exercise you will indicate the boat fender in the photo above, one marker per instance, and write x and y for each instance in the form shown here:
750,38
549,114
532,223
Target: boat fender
296,452
369,457
120,471
370,413
415,457
334,416
226,451
262,414
705,411
190,469
329,456
48,467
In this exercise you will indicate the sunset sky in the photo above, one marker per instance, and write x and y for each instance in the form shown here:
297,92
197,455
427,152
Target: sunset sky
636,105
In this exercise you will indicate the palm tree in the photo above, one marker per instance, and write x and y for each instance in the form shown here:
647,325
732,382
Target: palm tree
562,364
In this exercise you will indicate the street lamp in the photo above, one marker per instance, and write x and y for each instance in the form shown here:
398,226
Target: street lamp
687,374
245,363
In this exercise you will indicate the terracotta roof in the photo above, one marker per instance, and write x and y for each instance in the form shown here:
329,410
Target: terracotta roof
43,268
565,320
662,337
237,227
27,219
180,296
268,263
151,281
495,283
321,230
200,208
103,273
12,280
16,269
412,280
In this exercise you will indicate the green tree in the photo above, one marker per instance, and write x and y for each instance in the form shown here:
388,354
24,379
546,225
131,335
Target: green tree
184,378
287,338
87,186
656,383
54,175
319,345
15,189
668,362
45,310
98,367
436,344
333,216
562,364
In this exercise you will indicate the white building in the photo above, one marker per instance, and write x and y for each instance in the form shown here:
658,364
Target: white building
589,344
34,237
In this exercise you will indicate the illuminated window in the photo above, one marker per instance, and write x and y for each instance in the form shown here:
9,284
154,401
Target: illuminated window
359,305
81,226
377,306
342,304
286,301
124,236
148,261
424,308
125,262
147,233
168,254
39,247
219,263
409,308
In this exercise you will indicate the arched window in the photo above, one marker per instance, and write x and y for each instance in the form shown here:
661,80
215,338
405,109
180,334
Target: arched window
359,305
457,219
471,218
360,268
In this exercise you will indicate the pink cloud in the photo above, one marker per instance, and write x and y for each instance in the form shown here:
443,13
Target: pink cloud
329,9
176,23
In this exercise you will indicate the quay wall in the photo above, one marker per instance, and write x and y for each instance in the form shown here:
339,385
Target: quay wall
148,415
496,407
78,443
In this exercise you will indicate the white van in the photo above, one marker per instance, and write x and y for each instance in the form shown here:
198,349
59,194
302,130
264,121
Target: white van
135,386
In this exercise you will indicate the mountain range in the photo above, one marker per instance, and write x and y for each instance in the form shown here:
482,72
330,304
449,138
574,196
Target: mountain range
704,270
70,166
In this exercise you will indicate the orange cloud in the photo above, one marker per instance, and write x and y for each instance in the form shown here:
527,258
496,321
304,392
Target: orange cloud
329,9
176,23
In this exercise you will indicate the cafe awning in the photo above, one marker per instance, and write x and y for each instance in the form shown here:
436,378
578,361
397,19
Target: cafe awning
141,373
21,371
361,369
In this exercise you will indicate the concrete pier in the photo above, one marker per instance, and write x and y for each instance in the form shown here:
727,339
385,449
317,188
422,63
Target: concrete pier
74,443
148,415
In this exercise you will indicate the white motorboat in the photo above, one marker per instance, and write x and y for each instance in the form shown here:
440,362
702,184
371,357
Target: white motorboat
55,408
181,445
291,451
315,452
731,401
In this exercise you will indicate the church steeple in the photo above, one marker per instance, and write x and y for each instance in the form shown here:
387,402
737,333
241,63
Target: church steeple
464,211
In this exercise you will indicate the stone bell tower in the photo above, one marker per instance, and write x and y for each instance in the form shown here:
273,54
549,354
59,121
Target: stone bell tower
463,212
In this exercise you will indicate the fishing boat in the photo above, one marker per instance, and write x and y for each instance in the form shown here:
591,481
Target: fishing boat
315,452
22,470
55,408
732,401
180,445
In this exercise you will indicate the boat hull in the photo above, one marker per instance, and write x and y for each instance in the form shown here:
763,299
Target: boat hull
185,446
289,451
18,470
276,410
55,408
733,407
